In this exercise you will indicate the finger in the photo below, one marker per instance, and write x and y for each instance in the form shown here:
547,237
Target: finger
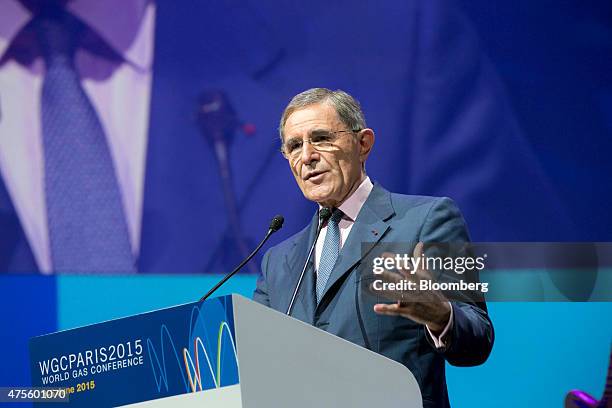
388,309
421,273
418,250
418,253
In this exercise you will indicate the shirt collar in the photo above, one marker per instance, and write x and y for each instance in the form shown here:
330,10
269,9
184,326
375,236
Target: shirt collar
352,205
128,32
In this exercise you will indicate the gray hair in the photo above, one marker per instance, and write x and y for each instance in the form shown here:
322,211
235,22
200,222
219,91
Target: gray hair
347,107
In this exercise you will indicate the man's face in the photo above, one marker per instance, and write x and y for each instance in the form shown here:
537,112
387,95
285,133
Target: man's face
327,177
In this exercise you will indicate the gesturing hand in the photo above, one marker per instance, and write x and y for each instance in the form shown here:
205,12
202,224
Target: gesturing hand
428,307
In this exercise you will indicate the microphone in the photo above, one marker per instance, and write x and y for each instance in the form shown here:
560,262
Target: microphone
275,225
324,215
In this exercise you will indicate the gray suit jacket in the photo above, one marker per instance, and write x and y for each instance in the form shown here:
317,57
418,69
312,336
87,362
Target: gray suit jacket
346,308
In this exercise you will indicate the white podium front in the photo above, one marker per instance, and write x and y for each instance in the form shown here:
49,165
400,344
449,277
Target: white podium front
283,362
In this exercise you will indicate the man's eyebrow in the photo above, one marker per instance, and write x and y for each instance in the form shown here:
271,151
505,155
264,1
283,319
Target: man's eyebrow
292,138
310,133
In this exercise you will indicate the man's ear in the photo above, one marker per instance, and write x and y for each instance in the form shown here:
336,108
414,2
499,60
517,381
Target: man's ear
366,142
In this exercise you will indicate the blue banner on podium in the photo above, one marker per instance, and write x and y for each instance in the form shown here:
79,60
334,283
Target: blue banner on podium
158,354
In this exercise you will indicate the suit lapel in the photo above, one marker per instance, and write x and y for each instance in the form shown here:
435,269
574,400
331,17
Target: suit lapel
369,227
15,252
304,305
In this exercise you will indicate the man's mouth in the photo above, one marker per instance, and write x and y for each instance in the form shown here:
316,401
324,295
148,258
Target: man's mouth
314,175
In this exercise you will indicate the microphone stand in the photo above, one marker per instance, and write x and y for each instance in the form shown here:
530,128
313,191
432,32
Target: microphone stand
324,215
275,225
218,121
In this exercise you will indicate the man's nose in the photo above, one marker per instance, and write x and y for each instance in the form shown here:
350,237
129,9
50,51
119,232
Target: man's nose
308,152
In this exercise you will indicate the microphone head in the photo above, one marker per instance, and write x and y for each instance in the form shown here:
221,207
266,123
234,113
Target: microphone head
324,214
276,223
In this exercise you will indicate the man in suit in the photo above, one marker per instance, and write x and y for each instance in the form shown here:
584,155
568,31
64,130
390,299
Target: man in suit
326,142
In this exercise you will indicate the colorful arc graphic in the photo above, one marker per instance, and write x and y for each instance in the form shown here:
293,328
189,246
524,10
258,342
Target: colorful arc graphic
191,364
216,377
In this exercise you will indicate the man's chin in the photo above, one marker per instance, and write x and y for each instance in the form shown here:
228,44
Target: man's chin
323,199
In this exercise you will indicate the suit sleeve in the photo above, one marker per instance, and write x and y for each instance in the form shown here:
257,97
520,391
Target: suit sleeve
471,337
261,291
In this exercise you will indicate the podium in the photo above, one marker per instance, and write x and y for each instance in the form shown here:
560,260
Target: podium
225,352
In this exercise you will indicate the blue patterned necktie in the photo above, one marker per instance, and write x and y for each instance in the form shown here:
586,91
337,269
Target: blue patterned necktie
330,252
85,216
